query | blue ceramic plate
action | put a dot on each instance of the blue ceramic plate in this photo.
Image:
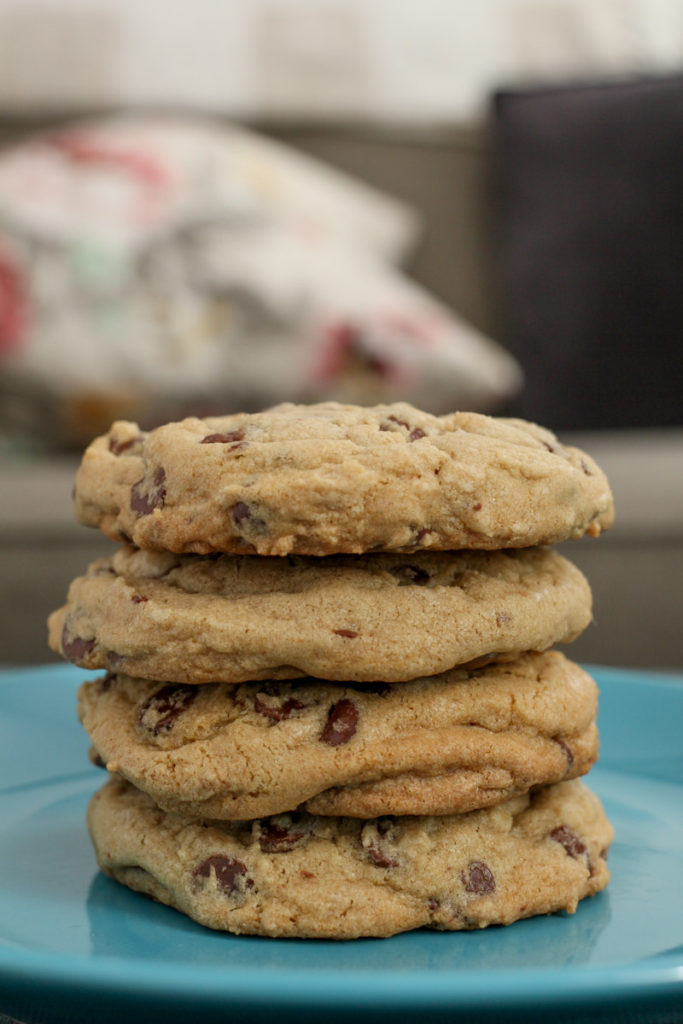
(74, 946)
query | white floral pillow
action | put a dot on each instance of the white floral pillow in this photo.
(155, 267)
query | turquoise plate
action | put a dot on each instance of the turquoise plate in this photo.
(76, 947)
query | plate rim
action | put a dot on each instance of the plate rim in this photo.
(650, 980)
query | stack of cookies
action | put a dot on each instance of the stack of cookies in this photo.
(331, 705)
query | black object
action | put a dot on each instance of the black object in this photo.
(591, 250)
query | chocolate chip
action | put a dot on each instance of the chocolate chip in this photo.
(229, 438)
(480, 878)
(341, 723)
(144, 498)
(410, 574)
(74, 647)
(566, 750)
(421, 534)
(387, 423)
(139, 599)
(240, 512)
(230, 874)
(391, 422)
(281, 835)
(118, 447)
(351, 634)
(380, 858)
(376, 838)
(433, 903)
(567, 837)
(273, 707)
(476, 507)
(160, 711)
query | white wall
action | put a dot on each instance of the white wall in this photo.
(400, 60)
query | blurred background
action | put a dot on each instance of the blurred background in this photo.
(223, 205)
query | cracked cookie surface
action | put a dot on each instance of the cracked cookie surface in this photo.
(440, 745)
(331, 478)
(300, 875)
(388, 617)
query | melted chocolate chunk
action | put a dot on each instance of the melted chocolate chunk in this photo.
(230, 874)
(74, 647)
(229, 438)
(144, 498)
(341, 723)
(118, 447)
(351, 634)
(480, 879)
(408, 575)
(242, 514)
(387, 423)
(573, 844)
(380, 858)
(139, 599)
(273, 707)
(416, 434)
(282, 835)
(376, 838)
(160, 711)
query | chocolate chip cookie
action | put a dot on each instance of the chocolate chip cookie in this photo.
(299, 875)
(440, 745)
(391, 617)
(330, 478)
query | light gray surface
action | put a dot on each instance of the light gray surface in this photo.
(635, 570)
(645, 471)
